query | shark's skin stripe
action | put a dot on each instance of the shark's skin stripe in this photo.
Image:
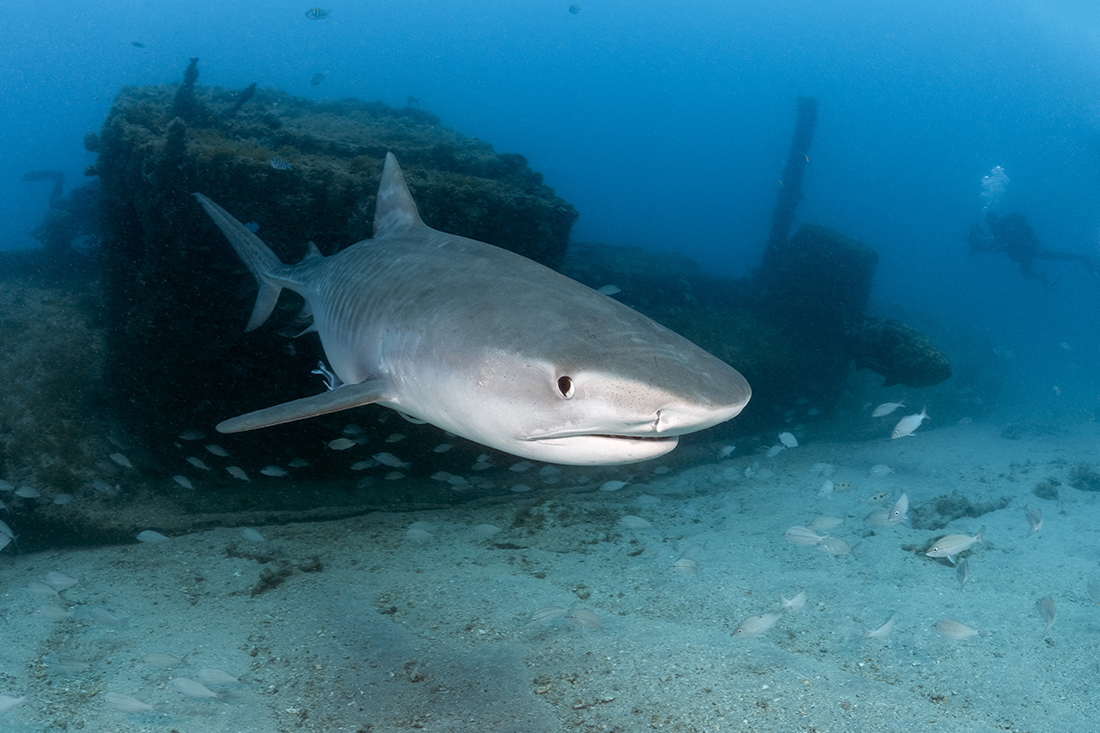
(486, 344)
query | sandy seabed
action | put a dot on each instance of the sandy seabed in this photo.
(364, 625)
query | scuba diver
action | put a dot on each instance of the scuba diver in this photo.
(1011, 235)
(68, 217)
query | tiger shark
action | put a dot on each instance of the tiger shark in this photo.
(485, 343)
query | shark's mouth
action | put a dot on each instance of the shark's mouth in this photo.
(605, 436)
(657, 439)
(592, 449)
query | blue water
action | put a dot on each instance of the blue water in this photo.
(665, 124)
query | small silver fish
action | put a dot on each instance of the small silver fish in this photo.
(60, 581)
(192, 434)
(775, 450)
(837, 546)
(686, 565)
(9, 703)
(802, 536)
(584, 618)
(105, 488)
(183, 481)
(191, 688)
(442, 448)
(395, 437)
(788, 440)
(880, 470)
(121, 460)
(41, 589)
(341, 444)
(1093, 587)
(878, 518)
(273, 471)
(962, 572)
(297, 463)
(99, 615)
(1046, 608)
(28, 492)
(909, 423)
(1035, 519)
(50, 612)
(237, 472)
(418, 535)
(757, 625)
(127, 704)
(280, 163)
(630, 521)
(882, 631)
(610, 290)
(151, 537)
(795, 604)
(162, 661)
(726, 451)
(67, 665)
(953, 544)
(547, 615)
(389, 459)
(486, 530)
(217, 450)
(612, 485)
(209, 676)
(899, 513)
(886, 408)
(198, 463)
(826, 490)
(953, 630)
(824, 523)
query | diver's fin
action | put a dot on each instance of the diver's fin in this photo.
(341, 398)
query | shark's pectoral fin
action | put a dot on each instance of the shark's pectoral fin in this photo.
(341, 398)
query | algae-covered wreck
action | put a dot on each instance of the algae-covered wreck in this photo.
(173, 303)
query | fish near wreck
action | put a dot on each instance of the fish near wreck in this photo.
(486, 344)
(908, 424)
(900, 353)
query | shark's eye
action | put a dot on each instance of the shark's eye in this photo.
(565, 386)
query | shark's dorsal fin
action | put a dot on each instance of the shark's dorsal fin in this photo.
(395, 209)
(313, 255)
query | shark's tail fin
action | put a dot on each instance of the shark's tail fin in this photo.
(270, 273)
